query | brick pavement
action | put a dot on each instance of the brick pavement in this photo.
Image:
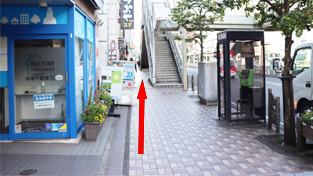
(56, 159)
(183, 137)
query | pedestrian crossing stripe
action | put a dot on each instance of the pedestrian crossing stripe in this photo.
(62, 127)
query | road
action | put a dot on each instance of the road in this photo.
(271, 82)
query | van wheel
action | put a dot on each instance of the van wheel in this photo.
(304, 107)
(233, 77)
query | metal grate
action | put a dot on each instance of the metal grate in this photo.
(127, 140)
(28, 172)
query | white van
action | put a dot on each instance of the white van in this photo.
(302, 69)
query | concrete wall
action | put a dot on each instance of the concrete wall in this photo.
(114, 26)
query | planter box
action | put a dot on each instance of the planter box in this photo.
(100, 127)
(304, 130)
(91, 130)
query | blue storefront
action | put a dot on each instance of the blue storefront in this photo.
(47, 67)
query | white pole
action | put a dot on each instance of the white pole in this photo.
(184, 60)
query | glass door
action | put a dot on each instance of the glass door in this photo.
(4, 110)
(40, 68)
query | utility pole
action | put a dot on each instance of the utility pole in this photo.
(184, 59)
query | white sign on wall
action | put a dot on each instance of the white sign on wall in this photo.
(43, 101)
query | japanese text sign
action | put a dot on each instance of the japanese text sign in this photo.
(127, 17)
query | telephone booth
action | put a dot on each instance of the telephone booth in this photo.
(241, 75)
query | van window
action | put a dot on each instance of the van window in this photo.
(302, 61)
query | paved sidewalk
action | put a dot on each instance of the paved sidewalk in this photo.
(56, 159)
(183, 137)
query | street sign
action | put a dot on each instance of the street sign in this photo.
(112, 45)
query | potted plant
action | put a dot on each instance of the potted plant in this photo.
(106, 98)
(93, 117)
(304, 130)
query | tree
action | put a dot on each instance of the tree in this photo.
(197, 15)
(288, 16)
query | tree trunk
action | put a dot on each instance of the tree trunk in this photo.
(288, 105)
(201, 47)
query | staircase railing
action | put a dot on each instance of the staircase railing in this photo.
(149, 25)
(177, 55)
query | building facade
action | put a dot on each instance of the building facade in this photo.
(47, 67)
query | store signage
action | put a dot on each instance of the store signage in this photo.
(79, 25)
(62, 127)
(18, 128)
(55, 127)
(129, 66)
(127, 17)
(48, 126)
(58, 77)
(33, 15)
(112, 75)
(43, 101)
(128, 75)
(116, 77)
(247, 51)
(128, 85)
(90, 31)
(112, 45)
(120, 43)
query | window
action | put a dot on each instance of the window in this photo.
(79, 55)
(302, 61)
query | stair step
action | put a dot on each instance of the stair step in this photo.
(164, 70)
(163, 61)
(166, 74)
(169, 85)
(167, 82)
(167, 79)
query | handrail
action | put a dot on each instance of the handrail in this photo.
(177, 55)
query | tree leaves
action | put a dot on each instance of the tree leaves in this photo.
(197, 15)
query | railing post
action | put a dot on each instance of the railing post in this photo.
(270, 106)
(187, 81)
(277, 114)
(193, 81)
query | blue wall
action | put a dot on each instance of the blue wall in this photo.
(65, 28)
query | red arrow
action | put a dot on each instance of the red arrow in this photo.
(141, 96)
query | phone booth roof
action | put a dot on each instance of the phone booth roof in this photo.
(235, 34)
